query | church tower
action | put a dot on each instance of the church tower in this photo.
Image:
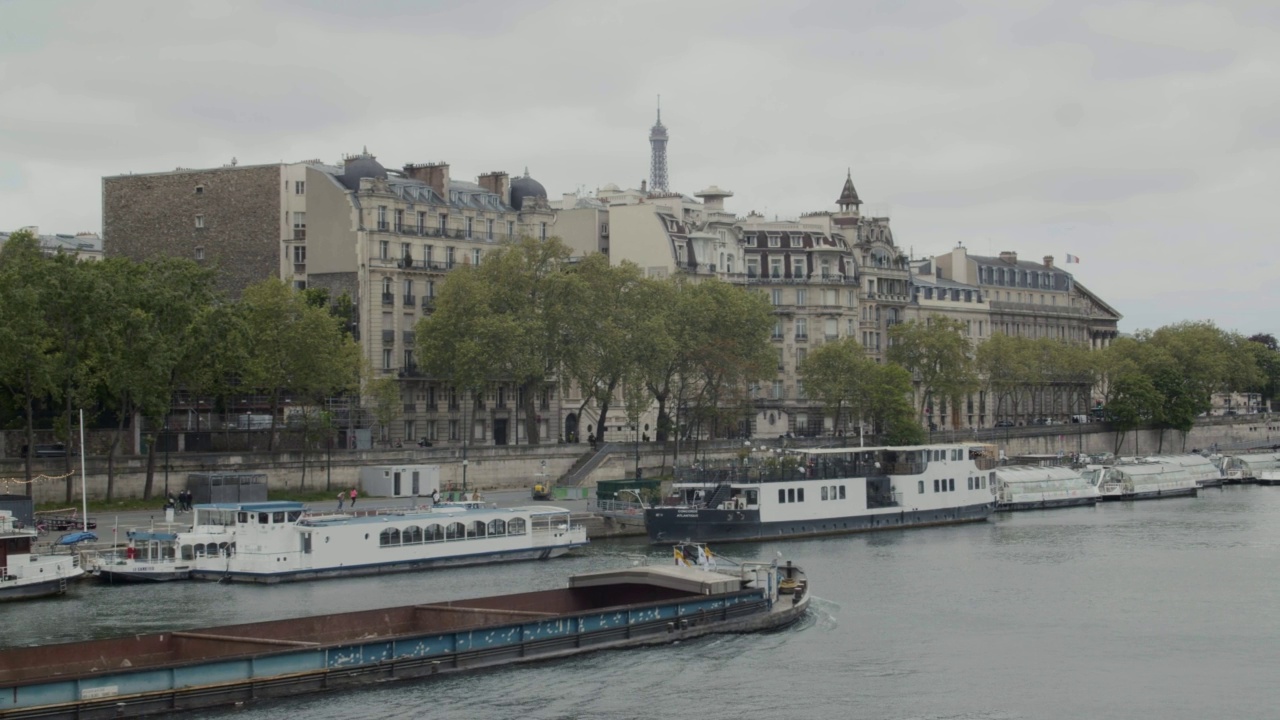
(658, 157)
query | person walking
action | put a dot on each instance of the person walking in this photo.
(342, 497)
(354, 494)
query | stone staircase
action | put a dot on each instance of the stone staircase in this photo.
(583, 467)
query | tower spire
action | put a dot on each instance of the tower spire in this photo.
(658, 154)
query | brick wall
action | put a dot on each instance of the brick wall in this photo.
(154, 215)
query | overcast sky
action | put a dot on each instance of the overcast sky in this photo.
(1139, 136)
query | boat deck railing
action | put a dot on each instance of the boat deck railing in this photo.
(620, 509)
(818, 469)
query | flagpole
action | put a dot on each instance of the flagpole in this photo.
(84, 495)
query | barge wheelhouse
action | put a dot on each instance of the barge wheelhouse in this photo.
(830, 491)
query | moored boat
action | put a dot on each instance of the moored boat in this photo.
(1142, 480)
(1203, 470)
(151, 556)
(278, 541)
(28, 574)
(1269, 477)
(830, 491)
(160, 674)
(1030, 487)
(1248, 467)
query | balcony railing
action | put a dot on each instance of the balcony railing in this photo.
(388, 299)
(383, 225)
(299, 234)
(1034, 309)
(409, 337)
(388, 337)
(299, 268)
(802, 337)
(410, 300)
(428, 302)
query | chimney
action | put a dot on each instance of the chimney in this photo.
(498, 183)
(434, 174)
(1009, 257)
(1048, 261)
(644, 186)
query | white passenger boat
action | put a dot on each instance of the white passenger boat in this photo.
(26, 574)
(1202, 469)
(279, 541)
(1030, 487)
(830, 491)
(1142, 480)
(1248, 467)
(1269, 477)
(151, 556)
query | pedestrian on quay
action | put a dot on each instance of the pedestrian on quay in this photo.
(353, 498)
(342, 497)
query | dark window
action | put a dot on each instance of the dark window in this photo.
(800, 495)
(791, 494)
(920, 486)
(277, 517)
(935, 486)
(782, 495)
(953, 484)
(842, 491)
(824, 492)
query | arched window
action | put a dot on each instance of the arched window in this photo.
(211, 549)
(497, 527)
(477, 529)
(411, 535)
(433, 533)
(188, 553)
(390, 536)
(516, 526)
(455, 531)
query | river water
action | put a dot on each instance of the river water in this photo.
(1158, 609)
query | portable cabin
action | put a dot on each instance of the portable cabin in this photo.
(400, 480)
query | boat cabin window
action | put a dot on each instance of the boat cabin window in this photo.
(791, 494)
(753, 498)
(935, 485)
(242, 518)
(515, 526)
(824, 492)
(920, 487)
(782, 495)
(277, 517)
(264, 518)
(433, 533)
(294, 515)
(497, 527)
(953, 485)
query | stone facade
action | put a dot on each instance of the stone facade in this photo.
(226, 218)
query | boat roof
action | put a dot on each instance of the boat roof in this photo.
(878, 448)
(430, 514)
(674, 577)
(264, 506)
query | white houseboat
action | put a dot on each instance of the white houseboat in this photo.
(1032, 487)
(1248, 467)
(278, 541)
(151, 556)
(830, 491)
(1142, 480)
(26, 574)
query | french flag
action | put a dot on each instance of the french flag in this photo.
(1073, 258)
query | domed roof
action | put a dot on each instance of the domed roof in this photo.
(361, 166)
(611, 188)
(526, 187)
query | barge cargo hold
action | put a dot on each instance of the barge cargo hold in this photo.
(160, 674)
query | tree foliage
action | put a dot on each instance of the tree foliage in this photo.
(938, 355)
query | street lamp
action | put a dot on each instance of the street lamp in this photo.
(637, 427)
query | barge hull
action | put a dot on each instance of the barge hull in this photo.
(160, 674)
(1157, 495)
(55, 586)
(1046, 504)
(383, 568)
(670, 526)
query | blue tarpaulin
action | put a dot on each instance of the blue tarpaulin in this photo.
(76, 537)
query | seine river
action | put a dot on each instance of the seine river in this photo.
(1158, 609)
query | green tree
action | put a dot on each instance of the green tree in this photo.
(937, 353)
(28, 349)
(384, 395)
(294, 346)
(504, 318)
(839, 375)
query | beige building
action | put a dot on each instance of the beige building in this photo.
(83, 245)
